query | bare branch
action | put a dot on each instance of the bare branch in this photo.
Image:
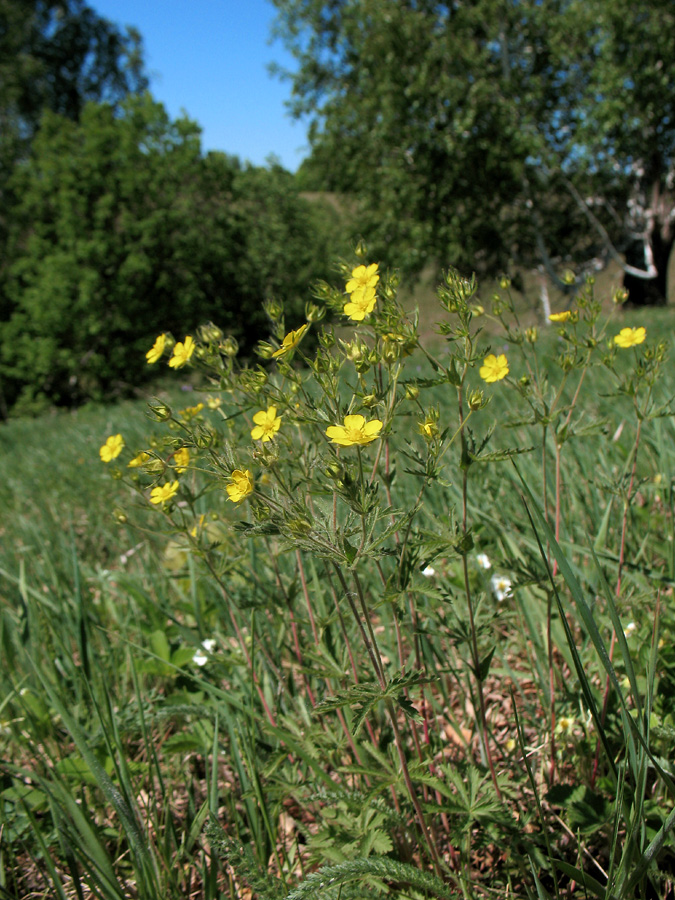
(651, 270)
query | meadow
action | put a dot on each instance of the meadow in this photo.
(427, 652)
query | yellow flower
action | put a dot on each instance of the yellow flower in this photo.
(360, 304)
(354, 431)
(267, 424)
(139, 460)
(363, 279)
(155, 352)
(164, 493)
(291, 341)
(561, 316)
(182, 353)
(191, 411)
(181, 460)
(629, 337)
(112, 448)
(494, 368)
(428, 428)
(240, 486)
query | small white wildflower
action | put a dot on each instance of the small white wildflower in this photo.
(429, 572)
(501, 587)
(483, 561)
(565, 725)
(630, 629)
(201, 658)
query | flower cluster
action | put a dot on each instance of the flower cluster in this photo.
(361, 289)
(182, 351)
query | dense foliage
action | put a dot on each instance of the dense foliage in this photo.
(485, 133)
(121, 228)
(113, 223)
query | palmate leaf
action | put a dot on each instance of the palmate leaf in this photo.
(361, 698)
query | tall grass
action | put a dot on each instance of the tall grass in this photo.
(198, 715)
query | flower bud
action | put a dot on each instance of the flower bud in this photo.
(477, 310)
(161, 411)
(531, 335)
(390, 351)
(264, 350)
(428, 428)
(119, 516)
(326, 339)
(314, 313)
(354, 350)
(412, 391)
(273, 308)
(210, 333)
(230, 346)
(568, 277)
(361, 250)
(620, 296)
(505, 282)
(369, 401)
(476, 400)
(333, 470)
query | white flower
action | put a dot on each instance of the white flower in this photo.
(501, 587)
(428, 572)
(201, 658)
(483, 561)
(631, 628)
(565, 725)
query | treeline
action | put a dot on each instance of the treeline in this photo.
(115, 226)
(495, 134)
(492, 135)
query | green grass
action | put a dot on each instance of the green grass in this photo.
(130, 771)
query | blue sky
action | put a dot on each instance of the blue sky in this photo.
(209, 58)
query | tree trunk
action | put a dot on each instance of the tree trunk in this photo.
(649, 291)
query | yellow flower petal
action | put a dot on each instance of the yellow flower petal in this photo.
(630, 337)
(240, 486)
(163, 493)
(112, 448)
(182, 353)
(494, 368)
(355, 431)
(291, 341)
(157, 349)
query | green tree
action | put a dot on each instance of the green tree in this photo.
(122, 230)
(109, 241)
(56, 55)
(59, 55)
(469, 131)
